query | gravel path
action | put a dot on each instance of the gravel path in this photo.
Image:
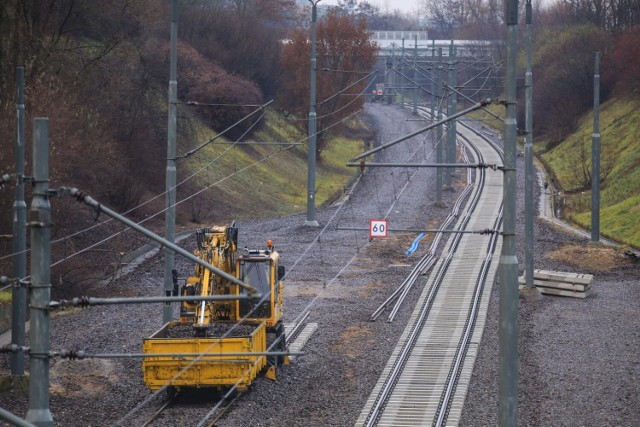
(579, 359)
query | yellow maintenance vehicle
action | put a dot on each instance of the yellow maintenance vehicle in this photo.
(221, 343)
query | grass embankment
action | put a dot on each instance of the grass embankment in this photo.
(250, 181)
(5, 296)
(620, 192)
(489, 119)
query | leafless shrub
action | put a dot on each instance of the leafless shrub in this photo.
(582, 170)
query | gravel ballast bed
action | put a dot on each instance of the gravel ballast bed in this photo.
(579, 359)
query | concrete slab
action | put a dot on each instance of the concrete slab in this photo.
(559, 292)
(576, 287)
(560, 276)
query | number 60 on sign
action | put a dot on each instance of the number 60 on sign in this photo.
(378, 228)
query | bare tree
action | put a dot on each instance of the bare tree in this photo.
(609, 14)
(582, 170)
(564, 67)
(446, 14)
(243, 36)
(466, 19)
(621, 66)
(344, 47)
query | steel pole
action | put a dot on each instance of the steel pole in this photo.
(14, 419)
(451, 135)
(440, 149)
(595, 156)
(434, 93)
(508, 387)
(393, 76)
(19, 241)
(423, 165)
(432, 87)
(388, 82)
(170, 214)
(40, 224)
(454, 105)
(402, 80)
(415, 75)
(528, 157)
(91, 301)
(311, 154)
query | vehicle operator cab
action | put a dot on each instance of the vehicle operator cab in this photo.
(260, 269)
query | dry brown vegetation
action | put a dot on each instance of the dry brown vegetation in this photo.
(99, 72)
(590, 258)
(345, 54)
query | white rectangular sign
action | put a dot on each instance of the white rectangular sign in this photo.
(378, 228)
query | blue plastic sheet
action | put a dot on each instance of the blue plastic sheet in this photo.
(414, 245)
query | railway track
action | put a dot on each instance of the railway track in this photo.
(428, 260)
(158, 413)
(426, 378)
(206, 411)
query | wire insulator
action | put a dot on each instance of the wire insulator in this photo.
(82, 301)
(72, 354)
(4, 179)
(77, 194)
(9, 348)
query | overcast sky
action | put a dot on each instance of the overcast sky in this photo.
(403, 5)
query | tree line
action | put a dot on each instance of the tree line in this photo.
(99, 71)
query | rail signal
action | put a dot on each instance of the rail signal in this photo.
(378, 228)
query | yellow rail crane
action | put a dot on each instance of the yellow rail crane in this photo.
(221, 343)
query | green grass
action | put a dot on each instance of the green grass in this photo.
(620, 219)
(269, 180)
(333, 175)
(5, 296)
(489, 120)
(620, 201)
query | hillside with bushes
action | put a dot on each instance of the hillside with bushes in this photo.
(570, 163)
(99, 71)
(564, 67)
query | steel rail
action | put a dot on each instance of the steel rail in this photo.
(159, 412)
(454, 213)
(459, 230)
(222, 411)
(455, 371)
(429, 259)
(409, 343)
(293, 334)
(425, 263)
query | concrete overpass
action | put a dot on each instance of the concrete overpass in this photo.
(418, 42)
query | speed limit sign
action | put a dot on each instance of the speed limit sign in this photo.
(378, 228)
